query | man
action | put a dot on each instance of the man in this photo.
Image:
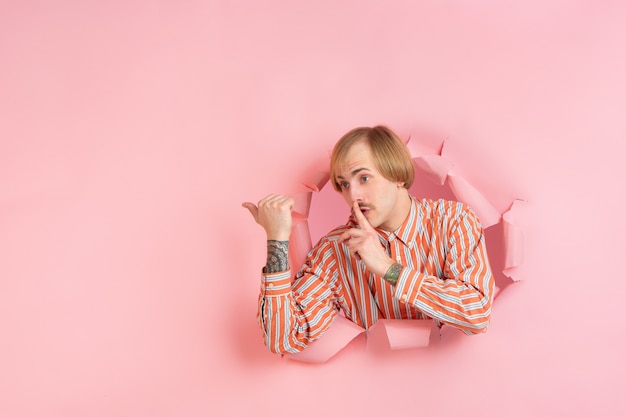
(397, 257)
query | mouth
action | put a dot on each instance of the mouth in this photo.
(365, 210)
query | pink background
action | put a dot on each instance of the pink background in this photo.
(131, 131)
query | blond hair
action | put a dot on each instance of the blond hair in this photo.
(391, 156)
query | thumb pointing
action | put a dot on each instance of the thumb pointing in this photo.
(252, 209)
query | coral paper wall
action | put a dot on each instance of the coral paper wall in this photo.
(131, 132)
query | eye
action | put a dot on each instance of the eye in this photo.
(365, 178)
(344, 185)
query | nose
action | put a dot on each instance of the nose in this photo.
(355, 193)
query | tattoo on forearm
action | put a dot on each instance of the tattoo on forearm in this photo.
(277, 256)
(393, 273)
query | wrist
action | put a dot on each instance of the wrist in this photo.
(279, 237)
(393, 273)
(277, 256)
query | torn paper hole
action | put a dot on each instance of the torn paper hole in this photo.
(399, 334)
(430, 160)
(317, 181)
(428, 144)
(435, 167)
(469, 195)
(299, 244)
(302, 203)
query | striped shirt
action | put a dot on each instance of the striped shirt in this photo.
(446, 277)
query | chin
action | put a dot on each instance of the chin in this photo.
(373, 222)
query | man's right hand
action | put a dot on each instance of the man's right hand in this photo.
(273, 213)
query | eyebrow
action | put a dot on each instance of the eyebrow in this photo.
(353, 173)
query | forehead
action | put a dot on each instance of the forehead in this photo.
(357, 157)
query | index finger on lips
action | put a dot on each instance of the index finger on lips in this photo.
(360, 217)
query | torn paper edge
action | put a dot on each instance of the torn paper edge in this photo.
(385, 334)
(438, 168)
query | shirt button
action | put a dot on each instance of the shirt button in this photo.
(398, 258)
(403, 298)
(270, 285)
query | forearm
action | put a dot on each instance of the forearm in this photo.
(463, 296)
(276, 313)
(460, 292)
(393, 273)
(277, 256)
(291, 315)
(287, 327)
(454, 302)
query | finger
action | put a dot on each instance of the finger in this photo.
(266, 200)
(352, 243)
(351, 237)
(277, 201)
(360, 217)
(284, 200)
(254, 210)
(345, 236)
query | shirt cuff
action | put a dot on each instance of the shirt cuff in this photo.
(408, 286)
(276, 284)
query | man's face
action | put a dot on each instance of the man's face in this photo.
(377, 196)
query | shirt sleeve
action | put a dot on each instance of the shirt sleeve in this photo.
(462, 297)
(293, 314)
